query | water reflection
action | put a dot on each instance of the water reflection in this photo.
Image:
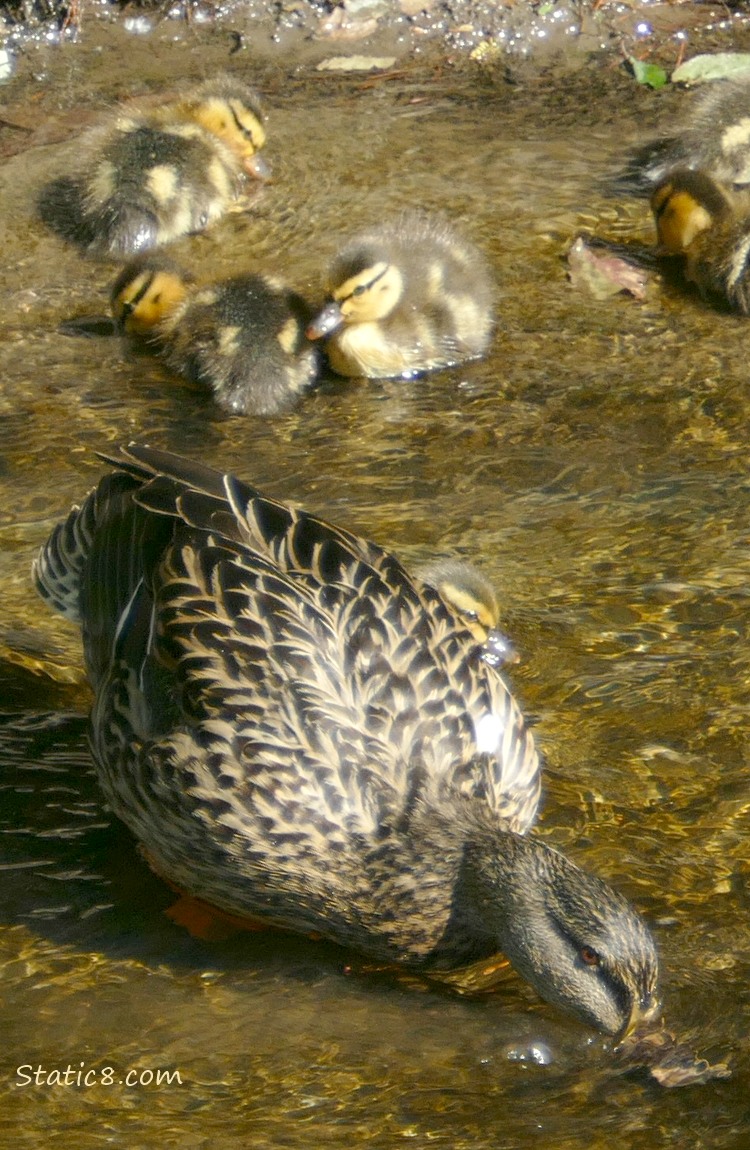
(595, 467)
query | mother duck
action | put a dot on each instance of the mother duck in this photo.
(296, 729)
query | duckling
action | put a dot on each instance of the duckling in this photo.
(158, 174)
(708, 225)
(293, 728)
(407, 297)
(714, 137)
(243, 337)
(472, 595)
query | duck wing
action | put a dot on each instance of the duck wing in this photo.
(297, 663)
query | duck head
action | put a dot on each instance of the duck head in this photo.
(569, 934)
(363, 288)
(146, 293)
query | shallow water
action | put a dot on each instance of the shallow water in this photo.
(594, 465)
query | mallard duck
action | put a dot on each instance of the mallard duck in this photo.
(157, 174)
(470, 593)
(294, 729)
(708, 225)
(714, 136)
(404, 298)
(243, 337)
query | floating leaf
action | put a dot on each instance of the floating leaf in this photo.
(716, 66)
(593, 266)
(652, 75)
(670, 1062)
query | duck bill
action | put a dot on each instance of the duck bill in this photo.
(498, 649)
(326, 321)
(258, 167)
(642, 1015)
(89, 326)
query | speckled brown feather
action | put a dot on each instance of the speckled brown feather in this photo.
(276, 697)
(296, 729)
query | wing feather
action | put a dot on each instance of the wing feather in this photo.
(298, 662)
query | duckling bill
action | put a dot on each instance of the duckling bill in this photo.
(407, 297)
(296, 729)
(243, 337)
(149, 177)
(472, 595)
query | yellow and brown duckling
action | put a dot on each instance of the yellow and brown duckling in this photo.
(243, 337)
(404, 298)
(157, 174)
(708, 225)
(297, 730)
(714, 137)
(471, 594)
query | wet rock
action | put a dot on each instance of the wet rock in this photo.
(368, 8)
(413, 8)
(340, 26)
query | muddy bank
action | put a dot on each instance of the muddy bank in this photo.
(493, 33)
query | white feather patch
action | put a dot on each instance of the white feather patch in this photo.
(488, 732)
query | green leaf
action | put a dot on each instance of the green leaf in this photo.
(650, 74)
(718, 66)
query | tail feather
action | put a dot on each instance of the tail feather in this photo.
(58, 568)
(116, 227)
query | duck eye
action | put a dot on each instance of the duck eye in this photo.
(589, 956)
(360, 289)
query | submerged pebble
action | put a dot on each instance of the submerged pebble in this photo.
(537, 1053)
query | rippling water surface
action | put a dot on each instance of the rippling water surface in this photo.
(595, 465)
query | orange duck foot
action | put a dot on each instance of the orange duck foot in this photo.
(207, 922)
(200, 918)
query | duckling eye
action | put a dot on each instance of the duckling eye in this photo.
(246, 132)
(360, 289)
(589, 956)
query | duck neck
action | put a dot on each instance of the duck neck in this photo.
(486, 891)
(455, 889)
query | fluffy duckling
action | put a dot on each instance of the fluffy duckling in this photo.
(708, 225)
(714, 137)
(471, 594)
(294, 729)
(405, 298)
(158, 174)
(243, 337)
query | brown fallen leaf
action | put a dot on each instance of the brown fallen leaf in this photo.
(671, 1062)
(592, 265)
